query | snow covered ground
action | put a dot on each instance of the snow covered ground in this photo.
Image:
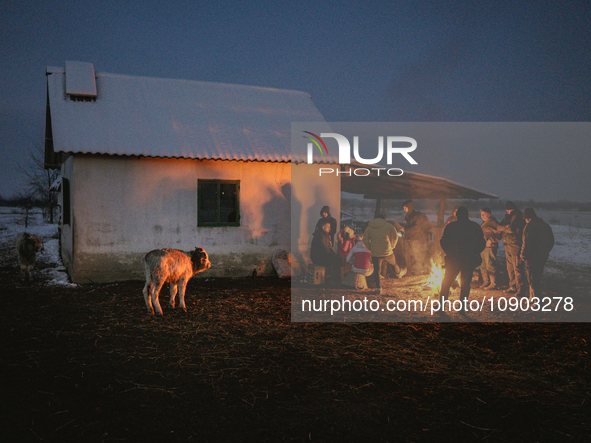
(572, 238)
(573, 244)
(12, 221)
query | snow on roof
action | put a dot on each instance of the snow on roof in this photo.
(154, 117)
(81, 79)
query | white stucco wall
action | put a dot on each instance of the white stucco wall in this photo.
(124, 207)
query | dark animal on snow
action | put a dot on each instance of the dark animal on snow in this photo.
(173, 267)
(27, 246)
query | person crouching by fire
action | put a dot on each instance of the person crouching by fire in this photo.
(462, 241)
(538, 241)
(322, 252)
(360, 258)
(346, 240)
(326, 217)
(489, 254)
(511, 227)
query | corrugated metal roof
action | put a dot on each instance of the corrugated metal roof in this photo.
(154, 117)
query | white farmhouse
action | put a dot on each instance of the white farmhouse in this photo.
(152, 163)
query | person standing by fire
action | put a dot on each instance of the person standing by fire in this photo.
(462, 241)
(489, 254)
(415, 227)
(538, 241)
(452, 217)
(511, 227)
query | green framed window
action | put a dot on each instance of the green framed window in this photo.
(218, 203)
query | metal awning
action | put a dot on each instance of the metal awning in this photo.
(410, 185)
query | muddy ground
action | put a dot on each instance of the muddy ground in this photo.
(87, 364)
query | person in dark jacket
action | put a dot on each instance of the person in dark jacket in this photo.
(322, 252)
(511, 227)
(489, 254)
(415, 227)
(462, 241)
(538, 241)
(452, 217)
(326, 217)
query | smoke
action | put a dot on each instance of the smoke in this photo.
(524, 61)
(415, 93)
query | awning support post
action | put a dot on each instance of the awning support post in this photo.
(441, 212)
(378, 207)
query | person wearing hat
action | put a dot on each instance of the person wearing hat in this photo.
(462, 241)
(511, 228)
(489, 254)
(326, 217)
(416, 249)
(538, 241)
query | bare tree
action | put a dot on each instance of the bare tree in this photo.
(39, 180)
(25, 202)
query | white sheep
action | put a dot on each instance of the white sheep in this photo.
(173, 267)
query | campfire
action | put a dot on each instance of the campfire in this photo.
(436, 277)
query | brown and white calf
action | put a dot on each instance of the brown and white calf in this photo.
(27, 246)
(173, 267)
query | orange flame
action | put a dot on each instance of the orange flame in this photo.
(436, 277)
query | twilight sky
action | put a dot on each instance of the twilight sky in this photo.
(380, 61)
